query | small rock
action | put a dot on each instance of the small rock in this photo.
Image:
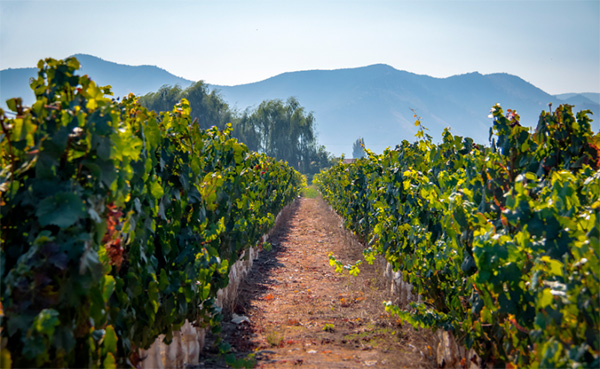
(239, 319)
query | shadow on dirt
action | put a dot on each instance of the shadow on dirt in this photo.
(293, 308)
(259, 281)
(254, 286)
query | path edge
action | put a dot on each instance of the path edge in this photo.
(449, 353)
(188, 342)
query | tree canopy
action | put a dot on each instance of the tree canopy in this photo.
(208, 107)
(282, 130)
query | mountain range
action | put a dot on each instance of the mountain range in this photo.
(376, 102)
(122, 78)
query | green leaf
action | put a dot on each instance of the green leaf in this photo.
(109, 362)
(205, 291)
(103, 146)
(238, 151)
(110, 340)
(461, 219)
(90, 261)
(46, 321)
(152, 134)
(109, 287)
(12, 103)
(108, 172)
(546, 298)
(267, 246)
(35, 348)
(468, 265)
(153, 295)
(156, 190)
(556, 267)
(163, 281)
(62, 209)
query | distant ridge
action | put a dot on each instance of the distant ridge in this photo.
(123, 78)
(586, 100)
(375, 102)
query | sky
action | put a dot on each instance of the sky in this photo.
(554, 45)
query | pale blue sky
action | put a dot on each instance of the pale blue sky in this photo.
(553, 44)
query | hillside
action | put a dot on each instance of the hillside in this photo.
(375, 102)
(123, 78)
(582, 97)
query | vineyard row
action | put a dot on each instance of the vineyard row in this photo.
(118, 224)
(501, 242)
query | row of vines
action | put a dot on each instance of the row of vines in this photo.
(117, 223)
(501, 242)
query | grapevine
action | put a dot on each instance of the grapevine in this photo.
(117, 223)
(501, 242)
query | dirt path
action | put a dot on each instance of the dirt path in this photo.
(302, 313)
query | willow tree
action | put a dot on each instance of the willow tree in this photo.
(283, 130)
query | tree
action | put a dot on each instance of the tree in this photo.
(247, 130)
(358, 150)
(162, 100)
(282, 130)
(285, 131)
(208, 108)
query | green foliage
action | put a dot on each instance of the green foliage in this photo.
(275, 338)
(281, 130)
(248, 362)
(284, 131)
(353, 269)
(501, 242)
(117, 223)
(328, 328)
(310, 192)
(208, 108)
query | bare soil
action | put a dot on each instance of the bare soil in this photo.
(302, 313)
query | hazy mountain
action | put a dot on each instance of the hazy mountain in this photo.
(374, 102)
(585, 97)
(583, 101)
(15, 83)
(123, 78)
(377, 102)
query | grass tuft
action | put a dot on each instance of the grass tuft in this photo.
(310, 192)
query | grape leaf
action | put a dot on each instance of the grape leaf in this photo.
(62, 209)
